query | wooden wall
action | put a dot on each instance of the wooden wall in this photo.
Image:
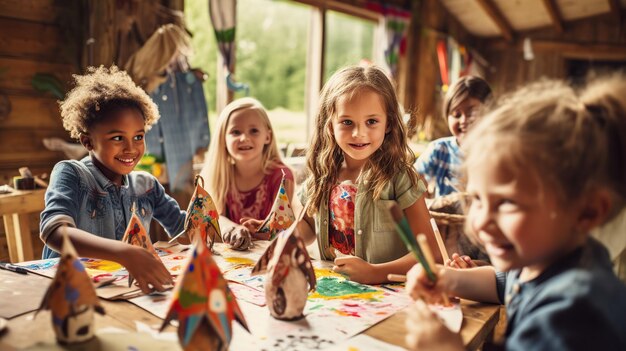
(31, 42)
(600, 38)
(430, 22)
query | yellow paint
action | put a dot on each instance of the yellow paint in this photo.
(352, 348)
(326, 272)
(240, 261)
(364, 296)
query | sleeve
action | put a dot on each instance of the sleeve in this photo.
(406, 193)
(61, 205)
(501, 285)
(426, 162)
(563, 323)
(166, 210)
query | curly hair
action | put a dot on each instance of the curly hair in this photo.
(99, 93)
(324, 157)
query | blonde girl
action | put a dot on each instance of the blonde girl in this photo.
(543, 169)
(243, 170)
(358, 164)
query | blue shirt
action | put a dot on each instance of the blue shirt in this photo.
(440, 163)
(576, 304)
(80, 196)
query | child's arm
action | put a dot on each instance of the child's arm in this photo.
(419, 220)
(145, 268)
(478, 284)
(360, 271)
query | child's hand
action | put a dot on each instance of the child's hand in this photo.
(458, 261)
(238, 237)
(426, 332)
(356, 269)
(418, 286)
(148, 271)
(251, 224)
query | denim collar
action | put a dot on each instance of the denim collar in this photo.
(104, 182)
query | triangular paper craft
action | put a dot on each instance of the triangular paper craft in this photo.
(281, 215)
(202, 217)
(137, 235)
(203, 304)
(71, 298)
(286, 244)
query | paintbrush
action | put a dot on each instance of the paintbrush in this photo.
(428, 255)
(406, 234)
(442, 246)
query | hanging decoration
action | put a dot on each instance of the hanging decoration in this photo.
(396, 21)
(223, 15)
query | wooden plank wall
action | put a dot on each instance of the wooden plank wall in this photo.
(430, 22)
(31, 42)
(596, 38)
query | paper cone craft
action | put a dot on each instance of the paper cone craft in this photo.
(71, 298)
(137, 235)
(202, 217)
(281, 215)
(203, 304)
(289, 275)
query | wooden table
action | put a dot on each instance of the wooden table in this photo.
(479, 321)
(15, 209)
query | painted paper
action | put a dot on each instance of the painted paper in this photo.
(281, 215)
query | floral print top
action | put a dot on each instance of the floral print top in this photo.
(341, 223)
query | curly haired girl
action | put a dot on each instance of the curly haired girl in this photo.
(93, 197)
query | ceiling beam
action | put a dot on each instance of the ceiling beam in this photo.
(494, 13)
(567, 49)
(616, 9)
(553, 11)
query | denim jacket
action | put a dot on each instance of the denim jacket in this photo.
(376, 240)
(79, 195)
(575, 304)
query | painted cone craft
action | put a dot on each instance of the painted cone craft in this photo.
(281, 215)
(137, 235)
(203, 304)
(71, 298)
(289, 275)
(202, 217)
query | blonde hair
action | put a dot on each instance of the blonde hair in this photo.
(218, 169)
(570, 142)
(98, 93)
(324, 157)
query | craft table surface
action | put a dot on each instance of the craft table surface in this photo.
(26, 330)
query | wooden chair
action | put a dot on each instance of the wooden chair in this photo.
(15, 209)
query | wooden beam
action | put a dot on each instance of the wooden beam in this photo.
(568, 49)
(494, 13)
(616, 9)
(553, 11)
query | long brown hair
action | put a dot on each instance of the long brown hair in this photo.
(324, 157)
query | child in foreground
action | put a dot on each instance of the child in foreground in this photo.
(243, 170)
(543, 169)
(92, 199)
(358, 164)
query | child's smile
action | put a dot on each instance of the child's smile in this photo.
(117, 143)
(360, 125)
(246, 135)
(520, 223)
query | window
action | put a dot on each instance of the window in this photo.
(274, 50)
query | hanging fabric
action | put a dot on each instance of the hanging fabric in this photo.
(396, 21)
(223, 15)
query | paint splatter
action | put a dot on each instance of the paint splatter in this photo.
(326, 272)
(332, 288)
(101, 265)
(242, 261)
